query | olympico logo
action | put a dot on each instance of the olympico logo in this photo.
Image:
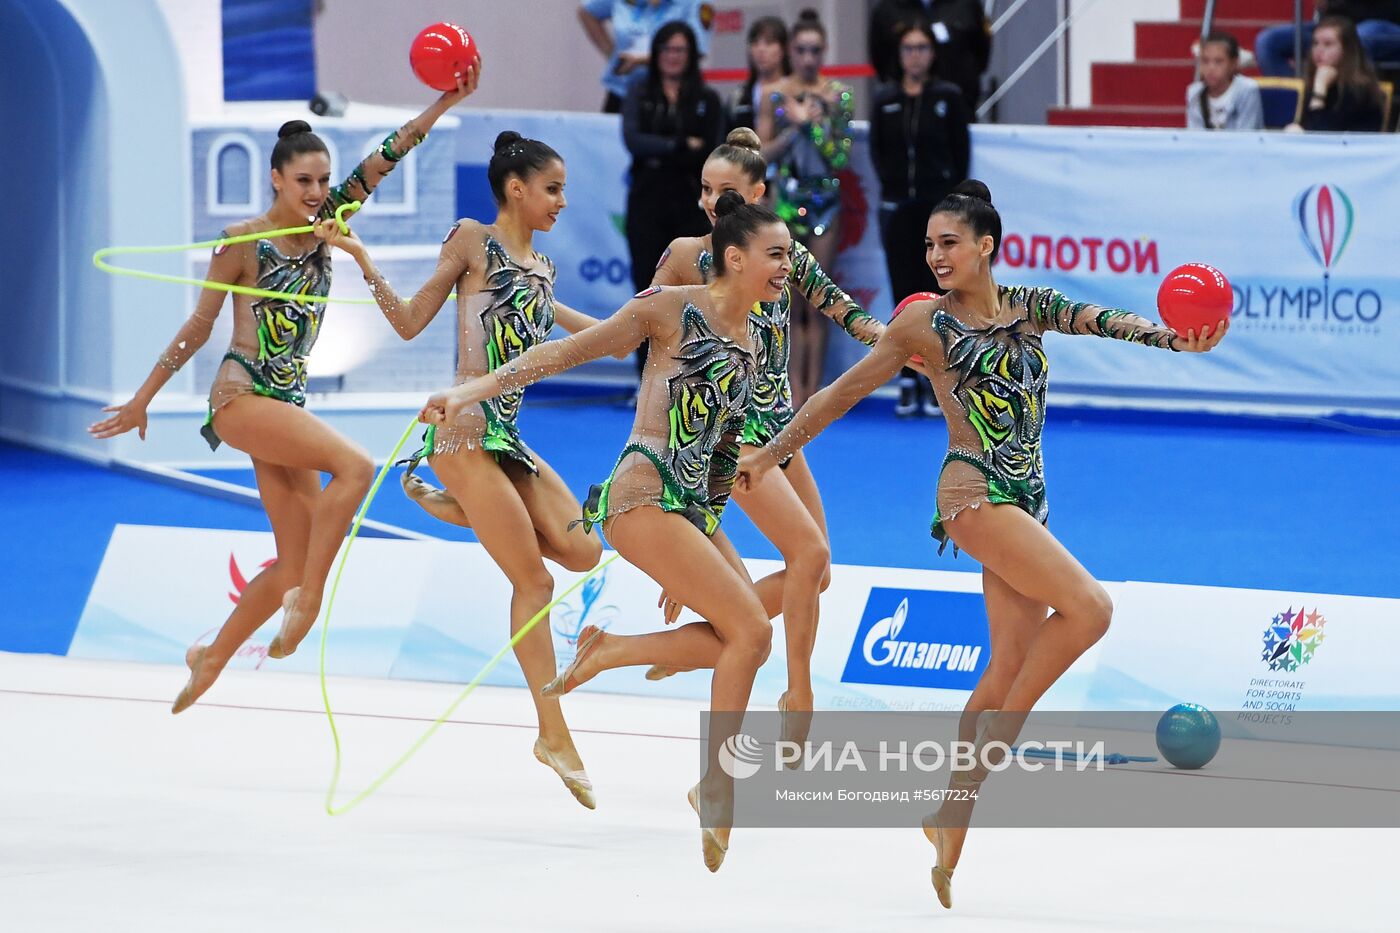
(1325, 217)
(883, 647)
(741, 756)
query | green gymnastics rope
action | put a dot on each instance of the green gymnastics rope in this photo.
(99, 260)
(403, 759)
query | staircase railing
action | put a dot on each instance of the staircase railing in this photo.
(1025, 66)
(1298, 38)
(1207, 25)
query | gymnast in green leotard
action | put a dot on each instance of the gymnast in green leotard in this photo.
(788, 510)
(518, 506)
(982, 348)
(661, 506)
(255, 403)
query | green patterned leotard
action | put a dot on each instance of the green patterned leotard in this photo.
(990, 378)
(511, 312)
(273, 337)
(807, 192)
(682, 455)
(771, 409)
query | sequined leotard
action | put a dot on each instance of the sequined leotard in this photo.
(511, 312)
(273, 337)
(990, 380)
(807, 191)
(682, 455)
(771, 409)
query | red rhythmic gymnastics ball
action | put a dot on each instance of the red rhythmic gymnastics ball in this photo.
(916, 359)
(1193, 297)
(440, 53)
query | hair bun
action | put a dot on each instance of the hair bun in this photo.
(293, 128)
(808, 15)
(506, 139)
(973, 188)
(742, 137)
(728, 203)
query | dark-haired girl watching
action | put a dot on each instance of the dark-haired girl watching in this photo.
(256, 402)
(1223, 99)
(768, 65)
(496, 485)
(1343, 95)
(661, 506)
(981, 346)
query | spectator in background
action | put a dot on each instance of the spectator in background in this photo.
(805, 127)
(920, 145)
(1377, 26)
(670, 122)
(1343, 94)
(1223, 99)
(961, 33)
(768, 64)
(623, 29)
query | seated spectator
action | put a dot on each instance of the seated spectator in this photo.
(1223, 99)
(623, 29)
(1377, 25)
(962, 39)
(768, 65)
(1343, 94)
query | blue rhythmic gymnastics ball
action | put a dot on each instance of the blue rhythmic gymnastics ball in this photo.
(1188, 735)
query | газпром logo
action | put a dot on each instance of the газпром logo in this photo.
(920, 638)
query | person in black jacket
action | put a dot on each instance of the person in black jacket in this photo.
(670, 122)
(1377, 26)
(920, 145)
(961, 33)
(1343, 94)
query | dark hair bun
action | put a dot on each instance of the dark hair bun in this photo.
(974, 189)
(742, 137)
(808, 15)
(293, 128)
(514, 155)
(728, 203)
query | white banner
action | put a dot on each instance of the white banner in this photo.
(888, 638)
(160, 590)
(1302, 226)
(1261, 651)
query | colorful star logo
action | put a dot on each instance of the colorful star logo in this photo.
(1292, 639)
